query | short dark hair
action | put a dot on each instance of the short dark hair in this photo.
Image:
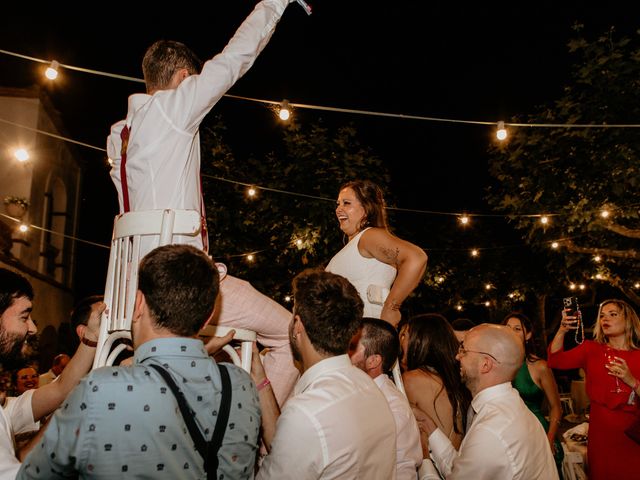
(180, 284)
(163, 59)
(12, 286)
(462, 324)
(380, 338)
(330, 309)
(82, 310)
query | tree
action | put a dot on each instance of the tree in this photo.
(286, 233)
(578, 174)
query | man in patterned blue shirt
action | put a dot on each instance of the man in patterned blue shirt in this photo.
(125, 421)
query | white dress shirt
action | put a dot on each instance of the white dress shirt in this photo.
(15, 417)
(337, 425)
(47, 378)
(504, 441)
(408, 447)
(163, 154)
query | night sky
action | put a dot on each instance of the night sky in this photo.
(438, 59)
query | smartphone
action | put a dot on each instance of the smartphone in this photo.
(571, 306)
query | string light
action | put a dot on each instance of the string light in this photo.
(487, 303)
(250, 257)
(21, 154)
(251, 192)
(350, 110)
(597, 258)
(52, 70)
(636, 285)
(582, 286)
(511, 295)
(285, 111)
(555, 245)
(475, 252)
(572, 286)
(439, 279)
(501, 132)
(544, 219)
(287, 298)
(459, 307)
(464, 219)
(299, 242)
(605, 213)
(23, 228)
(487, 286)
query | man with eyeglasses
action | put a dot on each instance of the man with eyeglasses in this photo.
(504, 440)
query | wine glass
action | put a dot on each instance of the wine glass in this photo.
(610, 357)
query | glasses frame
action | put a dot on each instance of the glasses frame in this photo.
(462, 350)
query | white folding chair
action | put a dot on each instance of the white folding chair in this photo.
(245, 337)
(129, 229)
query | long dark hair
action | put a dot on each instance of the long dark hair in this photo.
(370, 196)
(530, 348)
(433, 347)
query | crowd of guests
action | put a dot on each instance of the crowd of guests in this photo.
(466, 401)
(473, 407)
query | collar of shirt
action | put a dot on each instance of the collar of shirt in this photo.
(167, 347)
(328, 364)
(381, 380)
(488, 394)
(136, 101)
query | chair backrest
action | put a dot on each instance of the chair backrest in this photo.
(244, 336)
(131, 231)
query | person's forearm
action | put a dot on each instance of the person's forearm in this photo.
(410, 272)
(270, 414)
(27, 447)
(555, 417)
(558, 342)
(49, 397)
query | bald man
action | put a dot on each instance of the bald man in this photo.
(504, 440)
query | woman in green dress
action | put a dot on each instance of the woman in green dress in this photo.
(535, 382)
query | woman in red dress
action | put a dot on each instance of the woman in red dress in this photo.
(612, 376)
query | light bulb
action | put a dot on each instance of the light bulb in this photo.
(555, 244)
(475, 252)
(251, 192)
(604, 213)
(250, 257)
(501, 133)
(285, 111)
(544, 219)
(464, 219)
(52, 70)
(23, 228)
(21, 154)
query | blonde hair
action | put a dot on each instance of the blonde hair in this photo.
(632, 324)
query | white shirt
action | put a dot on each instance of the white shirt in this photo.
(16, 416)
(408, 447)
(337, 425)
(163, 154)
(47, 378)
(505, 441)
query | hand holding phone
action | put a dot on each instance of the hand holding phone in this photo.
(572, 318)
